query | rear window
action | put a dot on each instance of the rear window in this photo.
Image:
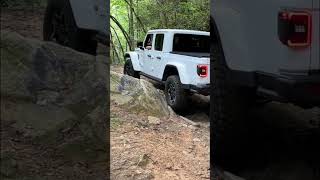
(159, 42)
(191, 43)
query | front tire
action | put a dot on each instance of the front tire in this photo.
(129, 70)
(175, 94)
(60, 26)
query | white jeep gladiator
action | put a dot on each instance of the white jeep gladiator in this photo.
(266, 50)
(179, 59)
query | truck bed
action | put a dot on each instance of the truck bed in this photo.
(193, 54)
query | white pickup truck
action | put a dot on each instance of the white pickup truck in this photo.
(179, 59)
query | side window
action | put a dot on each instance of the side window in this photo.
(148, 41)
(159, 42)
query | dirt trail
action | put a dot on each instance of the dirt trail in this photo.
(172, 149)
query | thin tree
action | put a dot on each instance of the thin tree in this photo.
(120, 44)
(115, 49)
(124, 32)
(136, 15)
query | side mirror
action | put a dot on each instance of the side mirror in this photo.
(140, 44)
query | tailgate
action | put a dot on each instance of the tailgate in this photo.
(315, 59)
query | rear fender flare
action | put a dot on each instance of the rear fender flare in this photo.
(182, 71)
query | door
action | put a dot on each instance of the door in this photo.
(148, 46)
(158, 56)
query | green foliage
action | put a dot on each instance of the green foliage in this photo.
(155, 14)
(178, 14)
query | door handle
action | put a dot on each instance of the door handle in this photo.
(149, 55)
(159, 57)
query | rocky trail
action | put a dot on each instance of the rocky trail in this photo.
(144, 145)
(284, 144)
(148, 140)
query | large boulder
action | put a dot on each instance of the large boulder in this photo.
(54, 101)
(137, 95)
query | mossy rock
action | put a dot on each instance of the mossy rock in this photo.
(138, 95)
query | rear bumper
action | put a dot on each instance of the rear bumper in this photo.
(200, 89)
(300, 90)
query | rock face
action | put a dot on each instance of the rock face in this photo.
(54, 100)
(138, 95)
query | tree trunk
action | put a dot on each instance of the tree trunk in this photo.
(162, 14)
(115, 51)
(120, 44)
(137, 16)
(124, 32)
(131, 23)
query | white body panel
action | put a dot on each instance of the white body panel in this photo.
(153, 63)
(248, 33)
(135, 56)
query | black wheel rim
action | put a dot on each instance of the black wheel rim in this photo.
(172, 93)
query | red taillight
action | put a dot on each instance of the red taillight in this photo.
(202, 70)
(294, 28)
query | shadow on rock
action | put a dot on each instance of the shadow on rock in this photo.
(283, 144)
(53, 110)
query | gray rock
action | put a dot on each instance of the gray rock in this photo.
(8, 165)
(138, 95)
(54, 98)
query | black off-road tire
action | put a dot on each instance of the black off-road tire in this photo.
(230, 105)
(60, 26)
(129, 70)
(176, 96)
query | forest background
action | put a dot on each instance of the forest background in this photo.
(131, 19)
